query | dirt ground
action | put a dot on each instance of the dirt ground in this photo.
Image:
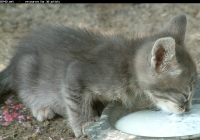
(17, 20)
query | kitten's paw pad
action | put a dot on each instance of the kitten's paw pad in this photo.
(84, 124)
(42, 114)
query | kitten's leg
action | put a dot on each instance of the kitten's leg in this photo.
(41, 109)
(34, 89)
(78, 100)
(78, 113)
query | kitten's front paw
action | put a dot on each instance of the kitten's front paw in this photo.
(84, 124)
(42, 114)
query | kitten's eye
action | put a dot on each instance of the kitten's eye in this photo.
(186, 96)
(191, 88)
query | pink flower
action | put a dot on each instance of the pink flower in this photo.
(6, 123)
(8, 101)
(28, 117)
(5, 111)
(16, 107)
(21, 117)
(9, 117)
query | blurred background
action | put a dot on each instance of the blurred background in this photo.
(17, 20)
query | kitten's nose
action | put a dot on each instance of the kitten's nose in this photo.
(187, 109)
(186, 106)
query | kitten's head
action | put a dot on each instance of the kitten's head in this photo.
(170, 76)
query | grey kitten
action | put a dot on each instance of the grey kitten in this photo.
(66, 71)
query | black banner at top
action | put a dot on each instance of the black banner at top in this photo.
(30, 1)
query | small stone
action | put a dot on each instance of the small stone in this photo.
(46, 123)
(21, 117)
(52, 129)
(28, 118)
(34, 135)
(27, 124)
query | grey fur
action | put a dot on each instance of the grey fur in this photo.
(62, 70)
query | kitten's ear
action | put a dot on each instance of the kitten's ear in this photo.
(162, 53)
(177, 27)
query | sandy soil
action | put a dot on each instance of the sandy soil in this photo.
(17, 20)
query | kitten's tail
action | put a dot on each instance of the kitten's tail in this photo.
(4, 80)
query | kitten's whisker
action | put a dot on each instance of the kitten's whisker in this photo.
(190, 94)
(182, 109)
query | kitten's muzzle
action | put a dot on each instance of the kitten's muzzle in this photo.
(185, 107)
